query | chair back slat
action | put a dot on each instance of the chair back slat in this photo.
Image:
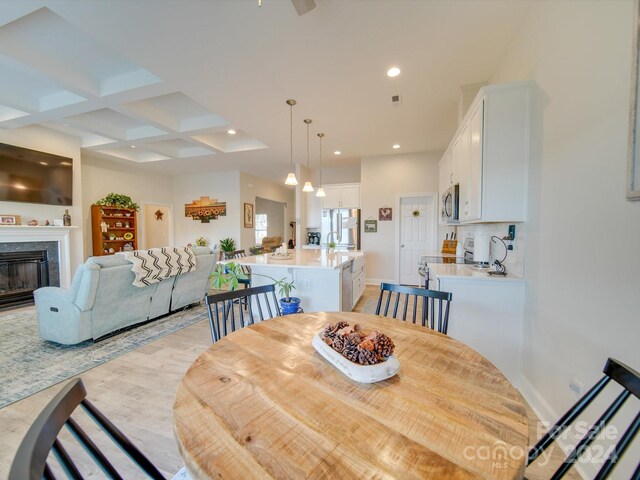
(415, 294)
(30, 462)
(629, 380)
(251, 299)
(92, 449)
(593, 432)
(65, 460)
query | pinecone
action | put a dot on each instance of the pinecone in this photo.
(339, 342)
(383, 346)
(330, 330)
(366, 357)
(350, 352)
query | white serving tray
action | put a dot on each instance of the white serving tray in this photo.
(359, 373)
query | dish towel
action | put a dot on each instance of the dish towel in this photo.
(156, 264)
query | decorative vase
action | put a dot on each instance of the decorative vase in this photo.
(290, 307)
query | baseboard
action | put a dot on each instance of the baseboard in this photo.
(546, 414)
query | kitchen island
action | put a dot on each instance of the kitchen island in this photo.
(324, 282)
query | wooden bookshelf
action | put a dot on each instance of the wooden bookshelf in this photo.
(119, 222)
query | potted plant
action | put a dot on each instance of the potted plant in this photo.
(118, 200)
(230, 273)
(201, 242)
(332, 247)
(227, 245)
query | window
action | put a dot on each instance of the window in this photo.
(261, 227)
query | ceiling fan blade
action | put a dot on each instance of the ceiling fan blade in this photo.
(303, 6)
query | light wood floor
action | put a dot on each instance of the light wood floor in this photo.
(137, 390)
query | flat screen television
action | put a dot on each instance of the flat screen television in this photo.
(34, 177)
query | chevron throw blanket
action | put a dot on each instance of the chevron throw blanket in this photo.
(151, 266)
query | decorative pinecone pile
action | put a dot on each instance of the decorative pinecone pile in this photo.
(358, 346)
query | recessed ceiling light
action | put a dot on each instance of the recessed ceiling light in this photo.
(337, 152)
(44, 163)
(66, 164)
(133, 146)
(393, 72)
(396, 146)
(231, 131)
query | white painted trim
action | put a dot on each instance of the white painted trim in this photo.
(434, 223)
(26, 233)
(141, 223)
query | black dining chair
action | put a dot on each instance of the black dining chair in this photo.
(399, 298)
(30, 462)
(261, 303)
(629, 379)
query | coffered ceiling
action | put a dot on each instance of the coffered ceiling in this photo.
(160, 83)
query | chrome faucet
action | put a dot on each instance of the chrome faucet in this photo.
(329, 235)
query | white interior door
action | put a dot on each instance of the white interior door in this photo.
(417, 235)
(158, 226)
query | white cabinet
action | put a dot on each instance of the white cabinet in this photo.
(490, 155)
(486, 315)
(314, 211)
(341, 196)
(358, 279)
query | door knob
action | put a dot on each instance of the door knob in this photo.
(402, 245)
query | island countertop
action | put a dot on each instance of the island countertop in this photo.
(312, 259)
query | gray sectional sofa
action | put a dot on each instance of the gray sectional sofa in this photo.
(102, 299)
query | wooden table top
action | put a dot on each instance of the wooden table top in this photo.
(262, 403)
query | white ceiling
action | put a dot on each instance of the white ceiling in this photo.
(170, 77)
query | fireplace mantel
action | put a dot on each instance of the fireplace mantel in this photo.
(26, 233)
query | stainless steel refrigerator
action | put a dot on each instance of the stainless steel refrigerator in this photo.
(344, 221)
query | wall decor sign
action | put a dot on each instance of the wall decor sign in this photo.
(633, 154)
(370, 226)
(9, 219)
(205, 209)
(384, 214)
(248, 215)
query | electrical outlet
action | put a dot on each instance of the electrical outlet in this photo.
(576, 386)
(512, 232)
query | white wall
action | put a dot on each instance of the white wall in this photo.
(101, 177)
(275, 216)
(345, 174)
(222, 186)
(50, 141)
(582, 255)
(382, 179)
(252, 187)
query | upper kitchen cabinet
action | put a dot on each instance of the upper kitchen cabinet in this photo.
(490, 155)
(341, 196)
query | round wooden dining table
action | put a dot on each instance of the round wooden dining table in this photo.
(262, 403)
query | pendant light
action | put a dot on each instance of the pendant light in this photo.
(291, 178)
(307, 185)
(320, 191)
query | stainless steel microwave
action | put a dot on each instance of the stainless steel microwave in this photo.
(451, 204)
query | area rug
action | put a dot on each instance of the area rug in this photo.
(29, 364)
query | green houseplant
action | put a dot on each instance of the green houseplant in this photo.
(230, 273)
(118, 200)
(227, 245)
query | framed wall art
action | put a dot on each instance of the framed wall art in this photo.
(248, 215)
(9, 219)
(633, 154)
(370, 226)
(384, 214)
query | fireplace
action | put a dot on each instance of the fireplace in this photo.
(20, 274)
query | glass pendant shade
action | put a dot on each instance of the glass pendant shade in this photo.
(320, 192)
(291, 179)
(307, 187)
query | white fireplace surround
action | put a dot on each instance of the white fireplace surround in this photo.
(26, 233)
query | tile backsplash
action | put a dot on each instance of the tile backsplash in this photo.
(515, 258)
